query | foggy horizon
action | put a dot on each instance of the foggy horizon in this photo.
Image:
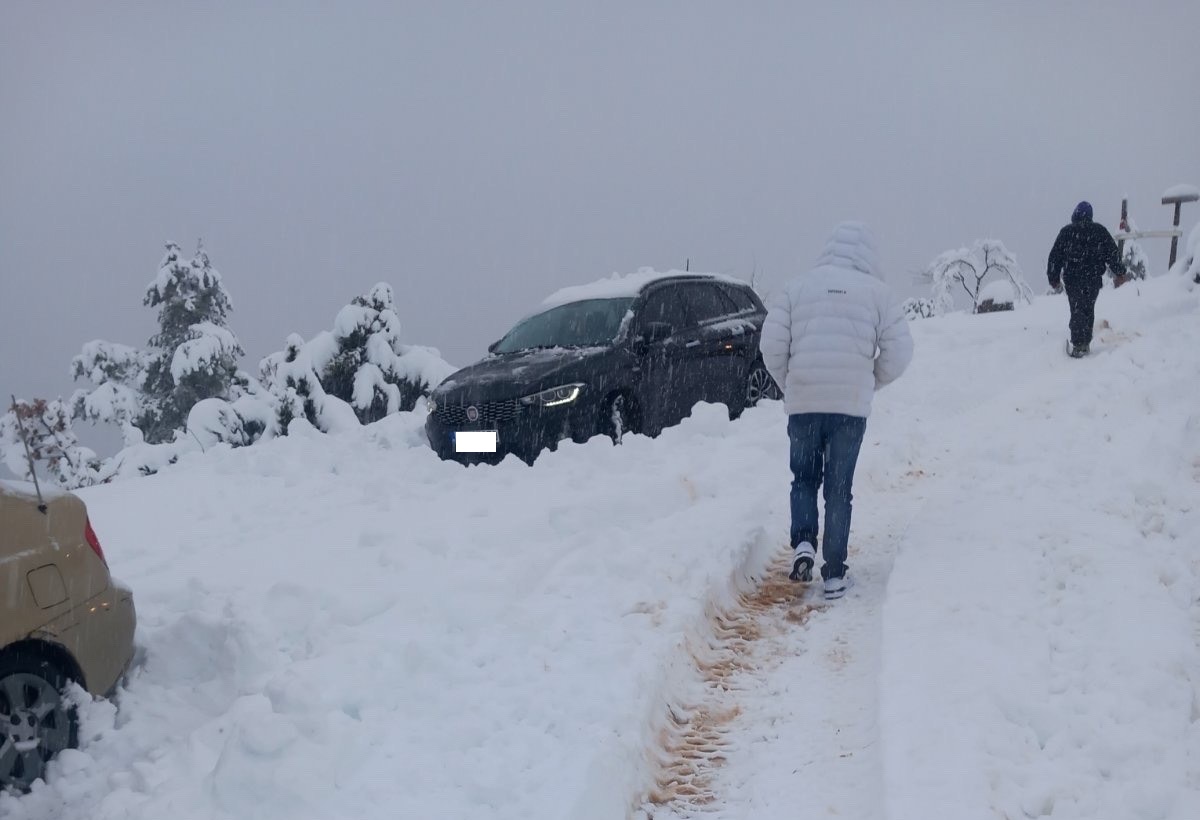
(478, 157)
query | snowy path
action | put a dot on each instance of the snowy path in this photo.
(788, 724)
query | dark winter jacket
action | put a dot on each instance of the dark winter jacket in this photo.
(1082, 251)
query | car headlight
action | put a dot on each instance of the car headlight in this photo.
(430, 404)
(555, 396)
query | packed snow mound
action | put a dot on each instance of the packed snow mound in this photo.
(345, 626)
(1181, 192)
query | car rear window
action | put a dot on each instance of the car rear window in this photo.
(707, 302)
(740, 298)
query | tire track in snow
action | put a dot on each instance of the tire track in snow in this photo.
(733, 660)
(783, 720)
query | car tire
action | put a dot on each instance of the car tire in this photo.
(760, 385)
(36, 720)
(618, 417)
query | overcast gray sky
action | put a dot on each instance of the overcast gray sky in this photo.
(479, 155)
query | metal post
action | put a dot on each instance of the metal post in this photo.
(1124, 227)
(1177, 201)
(1174, 239)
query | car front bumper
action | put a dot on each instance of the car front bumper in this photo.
(526, 435)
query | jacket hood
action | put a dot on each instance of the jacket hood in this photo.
(1082, 212)
(852, 247)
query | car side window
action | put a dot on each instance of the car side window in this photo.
(707, 302)
(665, 305)
(740, 298)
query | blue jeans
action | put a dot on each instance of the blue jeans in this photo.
(824, 450)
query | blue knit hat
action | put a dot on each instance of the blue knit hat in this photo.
(1082, 212)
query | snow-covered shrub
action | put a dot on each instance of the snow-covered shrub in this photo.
(46, 426)
(372, 369)
(1188, 263)
(918, 308)
(193, 357)
(361, 365)
(966, 269)
(291, 377)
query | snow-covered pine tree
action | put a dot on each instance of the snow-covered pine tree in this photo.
(52, 442)
(119, 372)
(194, 354)
(368, 371)
(290, 378)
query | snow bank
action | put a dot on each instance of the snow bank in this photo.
(345, 626)
(1040, 653)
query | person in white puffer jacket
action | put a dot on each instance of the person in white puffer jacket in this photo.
(832, 337)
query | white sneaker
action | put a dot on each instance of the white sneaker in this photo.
(836, 587)
(802, 564)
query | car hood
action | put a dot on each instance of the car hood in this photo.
(511, 375)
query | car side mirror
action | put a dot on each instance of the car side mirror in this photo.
(492, 347)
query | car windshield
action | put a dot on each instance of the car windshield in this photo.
(577, 324)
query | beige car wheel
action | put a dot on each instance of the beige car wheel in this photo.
(36, 721)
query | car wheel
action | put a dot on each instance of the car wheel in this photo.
(36, 721)
(617, 417)
(760, 385)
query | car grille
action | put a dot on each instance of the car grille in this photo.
(490, 412)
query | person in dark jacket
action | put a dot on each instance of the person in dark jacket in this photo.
(1080, 254)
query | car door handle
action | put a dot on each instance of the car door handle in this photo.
(693, 343)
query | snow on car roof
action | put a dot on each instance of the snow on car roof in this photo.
(623, 286)
(26, 489)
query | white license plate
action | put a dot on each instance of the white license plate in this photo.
(476, 441)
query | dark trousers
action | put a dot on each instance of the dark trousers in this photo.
(824, 450)
(1081, 296)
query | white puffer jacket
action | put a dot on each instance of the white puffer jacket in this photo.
(835, 335)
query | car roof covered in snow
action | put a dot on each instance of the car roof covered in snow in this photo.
(628, 285)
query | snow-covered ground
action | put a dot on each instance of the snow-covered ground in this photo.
(343, 626)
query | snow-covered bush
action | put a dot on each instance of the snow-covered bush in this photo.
(1188, 263)
(967, 269)
(193, 357)
(372, 369)
(291, 377)
(361, 366)
(46, 426)
(918, 308)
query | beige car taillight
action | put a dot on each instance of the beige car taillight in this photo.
(93, 541)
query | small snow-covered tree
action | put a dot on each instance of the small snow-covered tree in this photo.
(967, 270)
(291, 377)
(1134, 257)
(361, 365)
(46, 427)
(194, 356)
(371, 369)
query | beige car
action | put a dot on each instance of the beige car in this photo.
(62, 619)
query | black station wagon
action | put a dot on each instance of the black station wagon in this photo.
(628, 354)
